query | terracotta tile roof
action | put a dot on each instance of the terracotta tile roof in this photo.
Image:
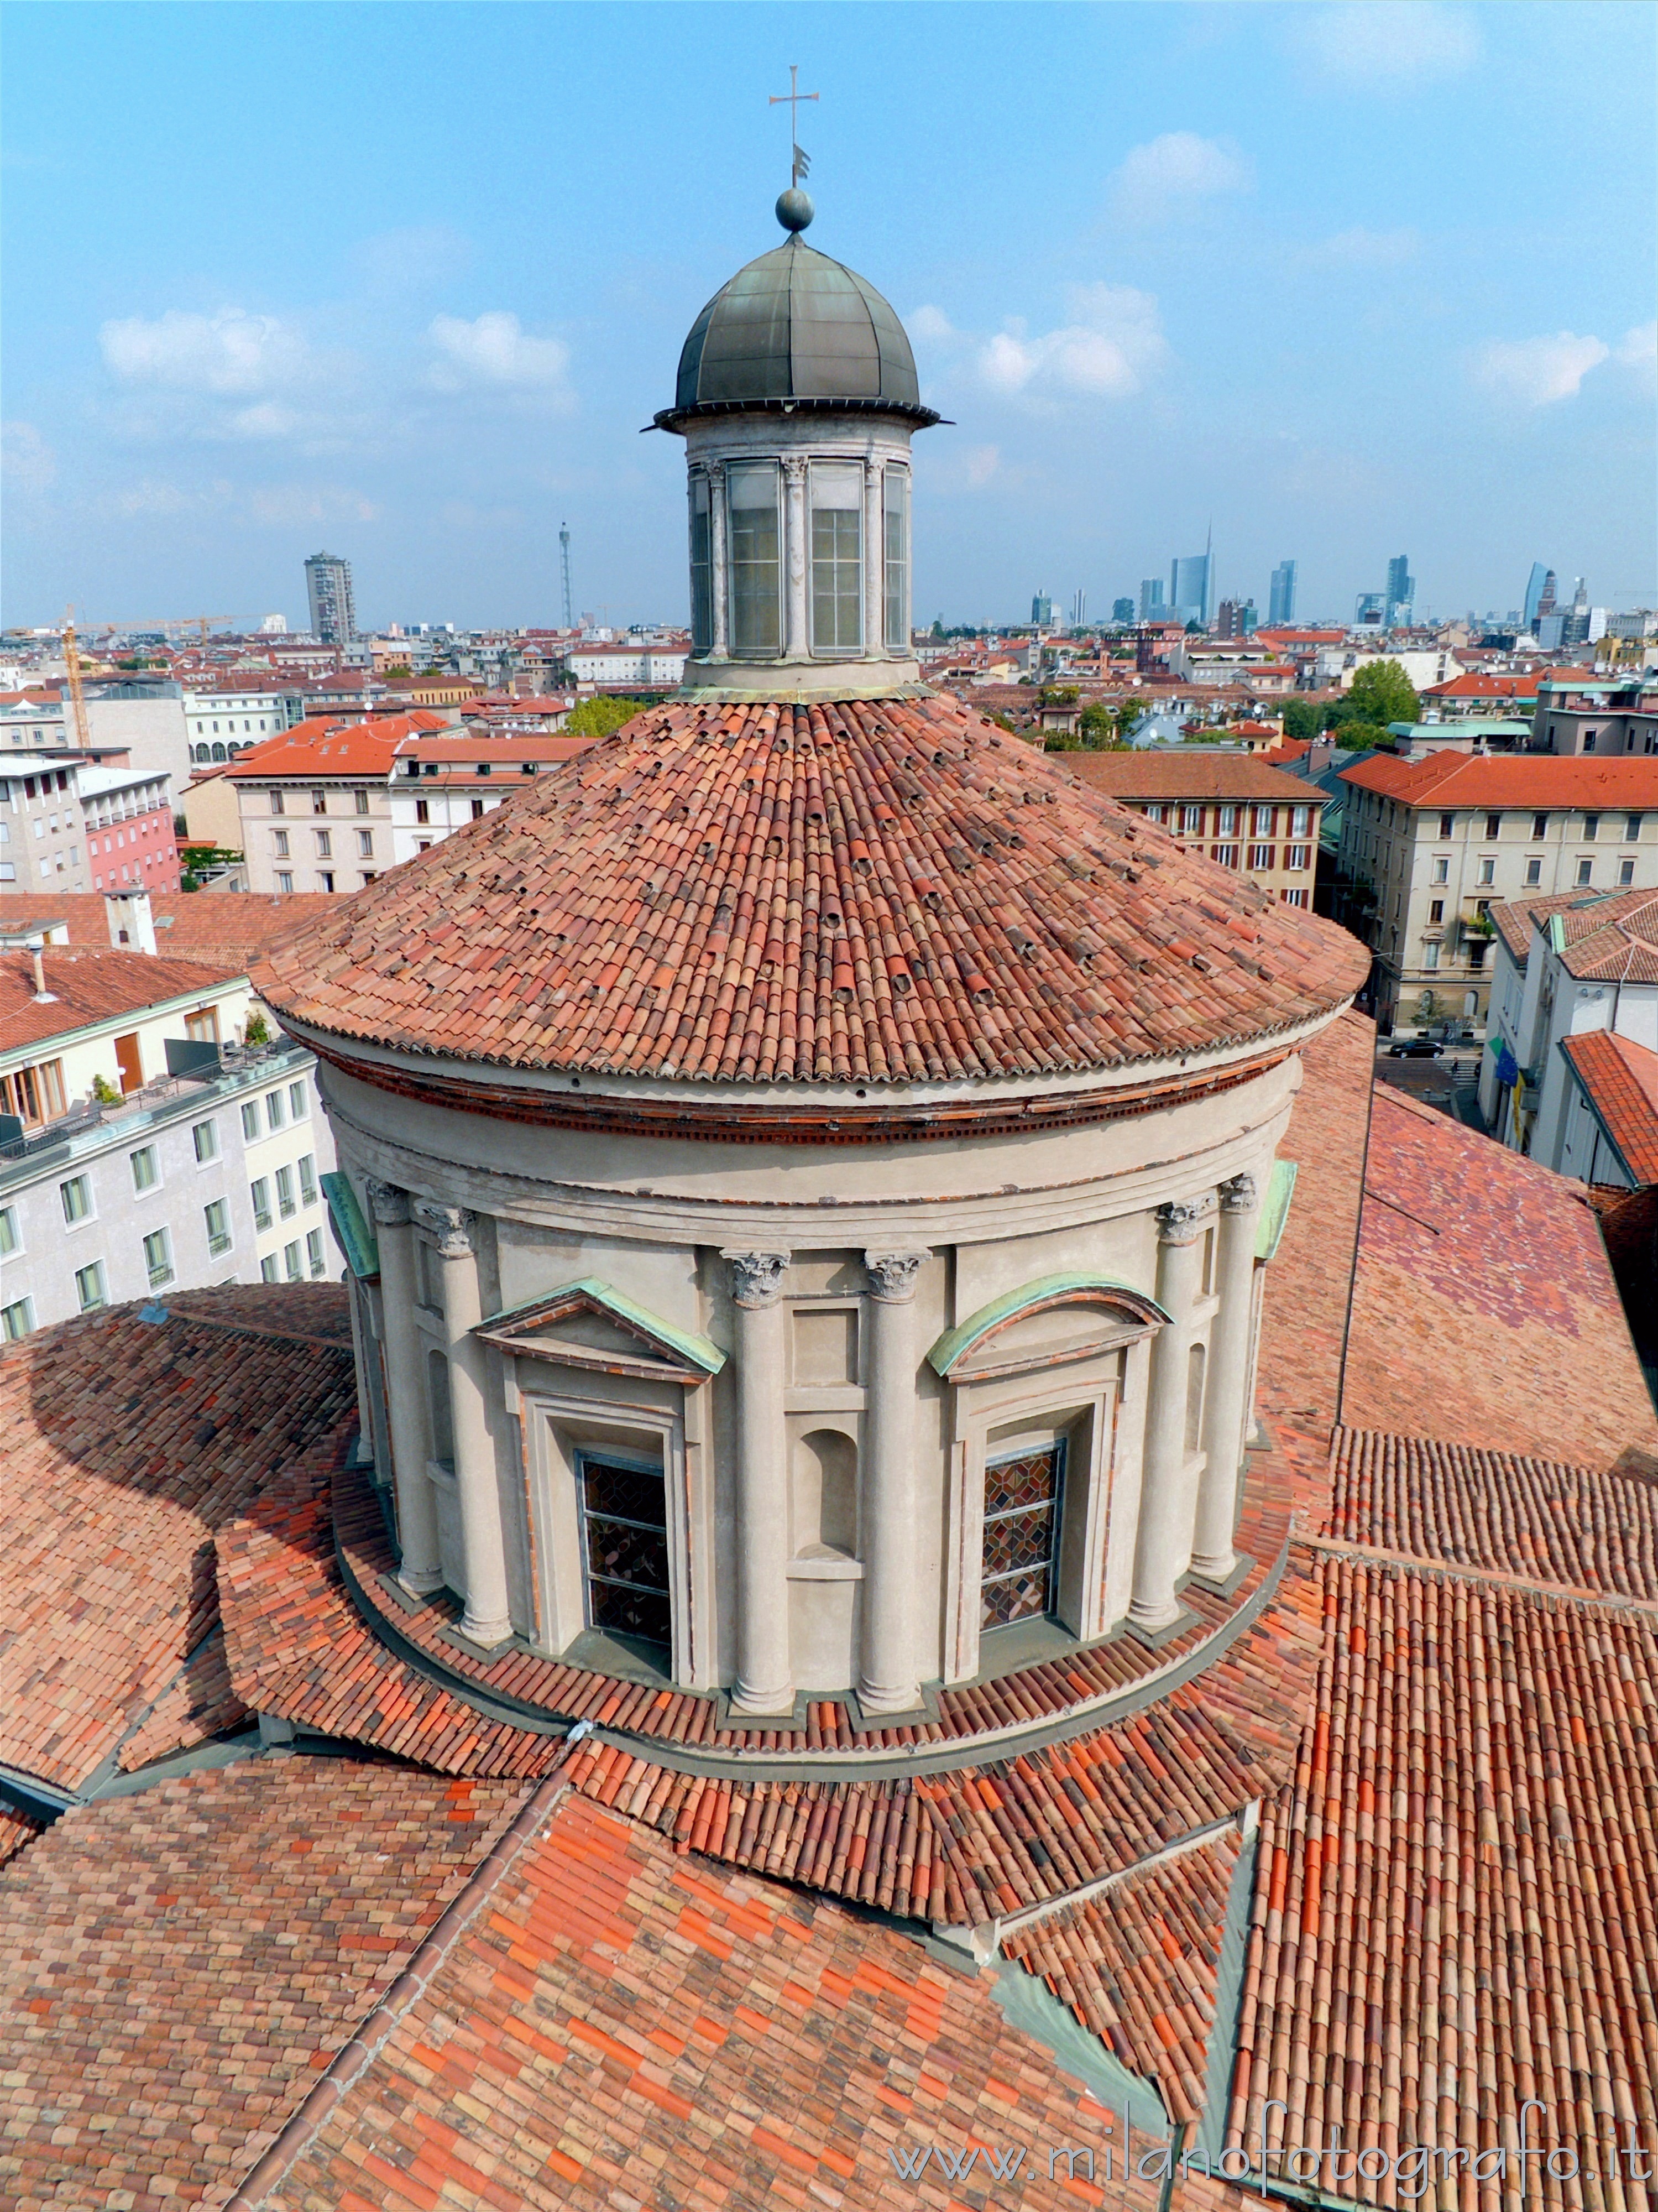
(893, 891)
(1619, 1078)
(1615, 941)
(227, 930)
(324, 745)
(1543, 780)
(624, 2028)
(128, 1442)
(17, 1829)
(86, 987)
(1186, 773)
(1456, 1906)
(1533, 1520)
(1483, 1298)
(175, 1966)
(1139, 1967)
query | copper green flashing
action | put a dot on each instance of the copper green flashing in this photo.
(1275, 1212)
(1044, 1290)
(356, 1238)
(695, 1350)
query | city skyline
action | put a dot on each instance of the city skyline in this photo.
(220, 392)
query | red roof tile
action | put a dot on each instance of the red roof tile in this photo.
(1484, 1298)
(1543, 780)
(1190, 774)
(323, 746)
(893, 891)
(227, 930)
(128, 1442)
(1620, 1080)
(92, 986)
(1137, 1966)
(175, 1966)
(1533, 1520)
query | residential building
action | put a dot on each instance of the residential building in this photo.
(143, 717)
(1281, 599)
(200, 1161)
(328, 588)
(1488, 691)
(224, 723)
(315, 805)
(1234, 808)
(1152, 600)
(1423, 666)
(76, 826)
(439, 784)
(1579, 714)
(1574, 1002)
(622, 667)
(37, 719)
(1429, 847)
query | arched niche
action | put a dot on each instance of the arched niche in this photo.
(824, 1503)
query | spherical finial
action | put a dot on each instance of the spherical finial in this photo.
(794, 209)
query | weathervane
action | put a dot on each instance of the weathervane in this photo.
(794, 96)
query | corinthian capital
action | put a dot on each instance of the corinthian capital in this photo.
(1239, 1195)
(387, 1203)
(1182, 1221)
(892, 1275)
(757, 1277)
(450, 1227)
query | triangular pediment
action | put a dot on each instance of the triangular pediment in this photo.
(592, 1324)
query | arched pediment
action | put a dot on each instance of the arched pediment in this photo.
(1050, 1320)
(592, 1324)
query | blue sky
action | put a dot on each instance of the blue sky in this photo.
(404, 281)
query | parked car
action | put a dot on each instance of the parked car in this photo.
(1415, 1048)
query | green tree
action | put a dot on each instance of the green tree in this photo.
(1355, 737)
(602, 718)
(1303, 719)
(1381, 692)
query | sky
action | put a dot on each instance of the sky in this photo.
(404, 282)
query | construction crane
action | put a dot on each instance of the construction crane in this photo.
(72, 670)
(176, 621)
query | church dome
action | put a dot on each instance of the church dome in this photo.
(795, 328)
(892, 892)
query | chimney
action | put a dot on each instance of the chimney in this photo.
(132, 924)
(42, 996)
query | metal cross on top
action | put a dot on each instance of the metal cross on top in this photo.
(794, 96)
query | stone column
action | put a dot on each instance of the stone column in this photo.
(1226, 1406)
(797, 559)
(874, 564)
(764, 1682)
(1163, 1542)
(887, 1680)
(486, 1620)
(719, 562)
(406, 1383)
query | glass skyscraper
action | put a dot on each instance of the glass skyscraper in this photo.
(1401, 589)
(1188, 588)
(1281, 604)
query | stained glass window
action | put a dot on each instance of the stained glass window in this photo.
(1024, 1495)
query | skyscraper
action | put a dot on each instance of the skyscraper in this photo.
(1540, 581)
(1401, 594)
(1079, 609)
(1151, 606)
(1281, 605)
(1188, 588)
(328, 583)
(1042, 612)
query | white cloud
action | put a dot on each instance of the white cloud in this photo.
(493, 350)
(1384, 46)
(931, 326)
(230, 353)
(29, 463)
(1365, 249)
(1112, 344)
(1173, 174)
(1537, 372)
(288, 506)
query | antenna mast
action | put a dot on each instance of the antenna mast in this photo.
(564, 562)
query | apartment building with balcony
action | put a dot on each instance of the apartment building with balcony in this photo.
(1608, 717)
(1231, 807)
(144, 1146)
(314, 803)
(1429, 847)
(69, 824)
